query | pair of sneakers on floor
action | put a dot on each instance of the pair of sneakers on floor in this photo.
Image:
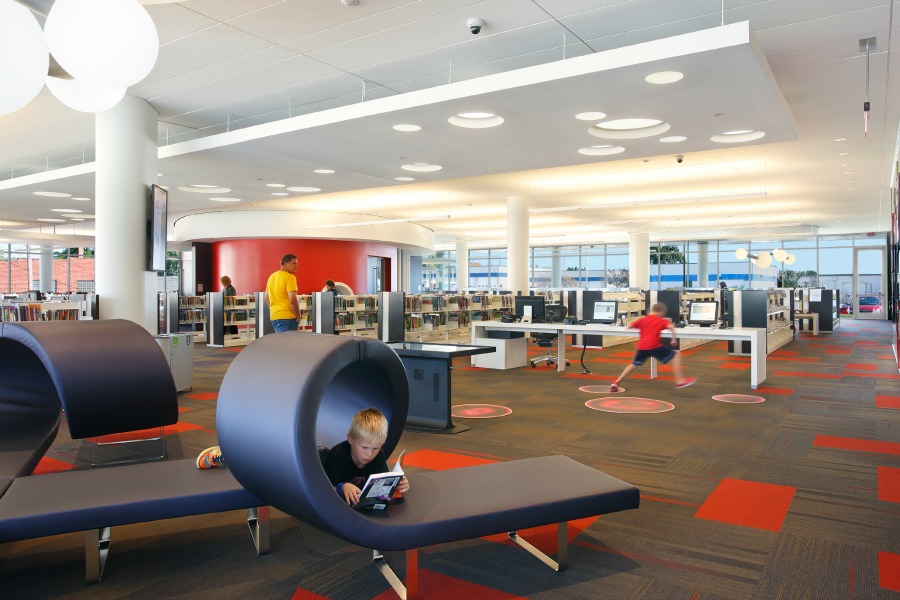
(688, 382)
(210, 458)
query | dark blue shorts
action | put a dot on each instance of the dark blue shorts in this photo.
(661, 353)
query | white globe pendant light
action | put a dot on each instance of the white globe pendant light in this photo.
(84, 97)
(23, 57)
(104, 43)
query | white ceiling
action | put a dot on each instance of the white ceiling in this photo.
(336, 78)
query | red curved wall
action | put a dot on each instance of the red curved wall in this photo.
(249, 262)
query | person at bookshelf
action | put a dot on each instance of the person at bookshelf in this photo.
(281, 292)
(350, 463)
(329, 287)
(228, 290)
(650, 345)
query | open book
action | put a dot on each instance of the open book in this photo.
(379, 487)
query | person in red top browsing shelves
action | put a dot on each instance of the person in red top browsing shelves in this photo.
(650, 346)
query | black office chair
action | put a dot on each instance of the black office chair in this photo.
(553, 313)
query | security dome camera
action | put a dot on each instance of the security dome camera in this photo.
(679, 159)
(475, 25)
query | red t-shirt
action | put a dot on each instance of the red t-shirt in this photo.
(650, 327)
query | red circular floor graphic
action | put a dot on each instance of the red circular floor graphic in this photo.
(479, 411)
(739, 398)
(629, 405)
(599, 389)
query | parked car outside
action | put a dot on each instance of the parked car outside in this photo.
(867, 304)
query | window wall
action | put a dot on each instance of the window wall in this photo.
(20, 269)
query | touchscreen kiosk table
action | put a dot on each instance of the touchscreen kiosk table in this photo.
(703, 312)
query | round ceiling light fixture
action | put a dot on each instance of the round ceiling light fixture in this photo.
(21, 37)
(225, 199)
(83, 97)
(404, 178)
(476, 120)
(47, 220)
(81, 199)
(280, 194)
(275, 185)
(324, 171)
(106, 43)
(591, 116)
(734, 137)
(421, 167)
(628, 129)
(304, 188)
(664, 77)
(53, 194)
(407, 127)
(65, 210)
(204, 189)
(672, 139)
(601, 150)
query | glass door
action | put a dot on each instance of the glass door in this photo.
(376, 273)
(869, 283)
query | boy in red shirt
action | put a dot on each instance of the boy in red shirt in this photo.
(650, 346)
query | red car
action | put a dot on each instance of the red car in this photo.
(867, 304)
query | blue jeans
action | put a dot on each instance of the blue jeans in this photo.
(280, 325)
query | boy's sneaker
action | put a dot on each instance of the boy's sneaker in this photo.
(686, 383)
(613, 388)
(209, 458)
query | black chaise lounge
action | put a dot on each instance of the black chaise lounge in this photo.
(306, 388)
(110, 377)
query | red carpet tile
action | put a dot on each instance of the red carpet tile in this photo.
(471, 368)
(860, 366)
(647, 376)
(589, 376)
(794, 359)
(783, 353)
(889, 484)
(748, 503)
(145, 434)
(544, 537)
(629, 354)
(885, 357)
(847, 334)
(838, 351)
(203, 396)
(774, 390)
(304, 595)
(437, 586)
(844, 443)
(889, 571)
(734, 365)
(183, 409)
(620, 361)
(876, 375)
(51, 465)
(882, 401)
(436, 460)
(802, 374)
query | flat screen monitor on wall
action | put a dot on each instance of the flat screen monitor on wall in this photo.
(536, 305)
(156, 229)
(605, 312)
(703, 313)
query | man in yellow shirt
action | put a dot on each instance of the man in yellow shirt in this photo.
(281, 291)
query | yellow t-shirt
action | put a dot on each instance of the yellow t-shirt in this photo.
(278, 288)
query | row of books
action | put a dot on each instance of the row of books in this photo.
(35, 312)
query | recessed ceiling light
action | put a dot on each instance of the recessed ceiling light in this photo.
(81, 199)
(203, 185)
(53, 194)
(159, 174)
(591, 116)
(476, 120)
(225, 199)
(404, 178)
(280, 194)
(65, 210)
(664, 77)
(421, 167)
(304, 188)
(52, 220)
(74, 219)
(601, 150)
(407, 127)
(324, 171)
(275, 185)
(672, 139)
(850, 189)
(839, 140)
(849, 181)
(843, 153)
(203, 189)
(734, 137)
(628, 129)
(847, 165)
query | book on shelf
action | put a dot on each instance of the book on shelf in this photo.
(379, 487)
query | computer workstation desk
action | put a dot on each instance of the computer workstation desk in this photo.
(513, 352)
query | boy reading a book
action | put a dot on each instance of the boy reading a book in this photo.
(350, 463)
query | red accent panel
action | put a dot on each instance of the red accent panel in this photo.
(889, 571)
(844, 443)
(249, 262)
(889, 484)
(882, 401)
(748, 503)
(51, 465)
(439, 461)
(437, 586)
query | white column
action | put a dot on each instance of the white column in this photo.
(702, 264)
(462, 265)
(126, 166)
(46, 277)
(517, 244)
(639, 260)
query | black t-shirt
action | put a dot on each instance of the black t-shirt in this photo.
(340, 468)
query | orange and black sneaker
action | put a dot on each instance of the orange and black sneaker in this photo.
(210, 458)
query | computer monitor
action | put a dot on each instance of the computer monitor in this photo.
(703, 312)
(605, 311)
(537, 304)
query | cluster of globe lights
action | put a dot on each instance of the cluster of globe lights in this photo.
(764, 259)
(104, 45)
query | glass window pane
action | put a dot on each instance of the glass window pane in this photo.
(877, 240)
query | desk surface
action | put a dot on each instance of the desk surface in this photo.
(438, 350)
(737, 333)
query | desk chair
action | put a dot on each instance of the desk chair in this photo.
(553, 313)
